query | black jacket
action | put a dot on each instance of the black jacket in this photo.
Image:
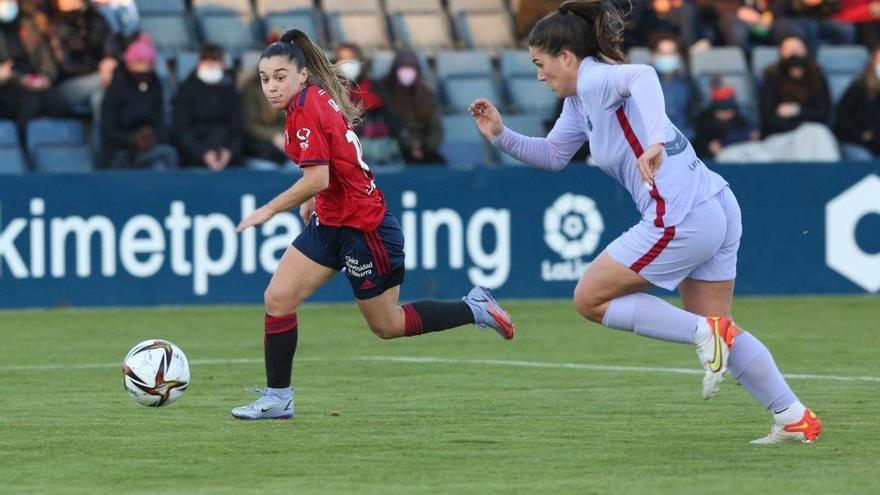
(858, 112)
(130, 104)
(815, 106)
(207, 117)
(83, 39)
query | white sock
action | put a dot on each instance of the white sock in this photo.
(287, 392)
(791, 414)
(703, 332)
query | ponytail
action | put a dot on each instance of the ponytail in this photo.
(299, 48)
(585, 27)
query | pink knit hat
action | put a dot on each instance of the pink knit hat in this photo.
(141, 50)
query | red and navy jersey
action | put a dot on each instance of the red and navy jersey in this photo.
(317, 134)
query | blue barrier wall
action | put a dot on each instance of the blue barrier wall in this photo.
(155, 238)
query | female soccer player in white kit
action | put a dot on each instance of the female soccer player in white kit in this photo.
(690, 229)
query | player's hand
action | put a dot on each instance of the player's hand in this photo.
(306, 210)
(487, 117)
(649, 163)
(259, 216)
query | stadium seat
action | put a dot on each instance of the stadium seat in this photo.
(11, 159)
(529, 125)
(305, 21)
(228, 23)
(763, 57)
(718, 60)
(463, 145)
(170, 33)
(482, 23)
(524, 92)
(460, 92)
(349, 7)
(160, 7)
(841, 64)
(57, 146)
(463, 63)
(366, 29)
(639, 55)
(419, 24)
(266, 7)
(517, 63)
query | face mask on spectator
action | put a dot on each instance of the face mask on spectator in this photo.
(350, 68)
(8, 11)
(210, 75)
(667, 64)
(406, 76)
(795, 62)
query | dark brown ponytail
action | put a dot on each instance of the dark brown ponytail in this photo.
(586, 27)
(299, 48)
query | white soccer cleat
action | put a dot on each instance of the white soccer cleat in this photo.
(488, 313)
(268, 406)
(713, 353)
(807, 430)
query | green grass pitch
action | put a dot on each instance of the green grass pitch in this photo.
(455, 412)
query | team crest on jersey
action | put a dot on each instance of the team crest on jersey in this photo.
(303, 134)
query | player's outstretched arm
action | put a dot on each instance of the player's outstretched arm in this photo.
(314, 180)
(549, 153)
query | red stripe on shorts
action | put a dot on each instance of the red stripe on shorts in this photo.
(656, 249)
(377, 249)
(636, 146)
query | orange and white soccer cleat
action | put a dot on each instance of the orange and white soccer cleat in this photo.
(714, 351)
(488, 313)
(807, 430)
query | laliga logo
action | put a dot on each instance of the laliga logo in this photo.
(842, 216)
(573, 227)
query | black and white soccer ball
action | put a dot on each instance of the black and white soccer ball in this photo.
(155, 373)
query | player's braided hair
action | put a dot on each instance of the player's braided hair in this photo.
(586, 27)
(299, 48)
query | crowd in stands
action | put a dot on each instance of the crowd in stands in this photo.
(169, 84)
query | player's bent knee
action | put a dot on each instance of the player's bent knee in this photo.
(277, 303)
(588, 306)
(383, 331)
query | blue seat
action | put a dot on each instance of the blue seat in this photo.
(8, 134)
(232, 32)
(531, 125)
(366, 29)
(763, 57)
(842, 64)
(742, 84)
(463, 63)
(463, 145)
(639, 55)
(531, 96)
(12, 160)
(170, 33)
(160, 7)
(516, 63)
(62, 160)
(718, 60)
(184, 64)
(57, 145)
(460, 92)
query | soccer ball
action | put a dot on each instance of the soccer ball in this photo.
(155, 373)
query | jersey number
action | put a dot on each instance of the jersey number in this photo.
(352, 138)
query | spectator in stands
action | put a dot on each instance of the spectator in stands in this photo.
(744, 23)
(85, 50)
(263, 125)
(679, 89)
(795, 107)
(379, 146)
(27, 70)
(673, 16)
(813, 21)
(865, 15)
(208, 122)
(794, 90)
(132, 127)
(858, 114)
(121, 15)
(722, 124)
(413, 112)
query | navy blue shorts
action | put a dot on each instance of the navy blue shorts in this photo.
(373, 261)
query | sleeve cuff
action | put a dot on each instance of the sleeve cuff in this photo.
(312, 163)
(496, 140)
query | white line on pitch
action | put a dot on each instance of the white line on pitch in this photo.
(435, 360)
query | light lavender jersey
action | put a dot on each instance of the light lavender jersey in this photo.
(620, 110)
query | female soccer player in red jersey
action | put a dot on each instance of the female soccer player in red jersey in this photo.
(347, 221)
